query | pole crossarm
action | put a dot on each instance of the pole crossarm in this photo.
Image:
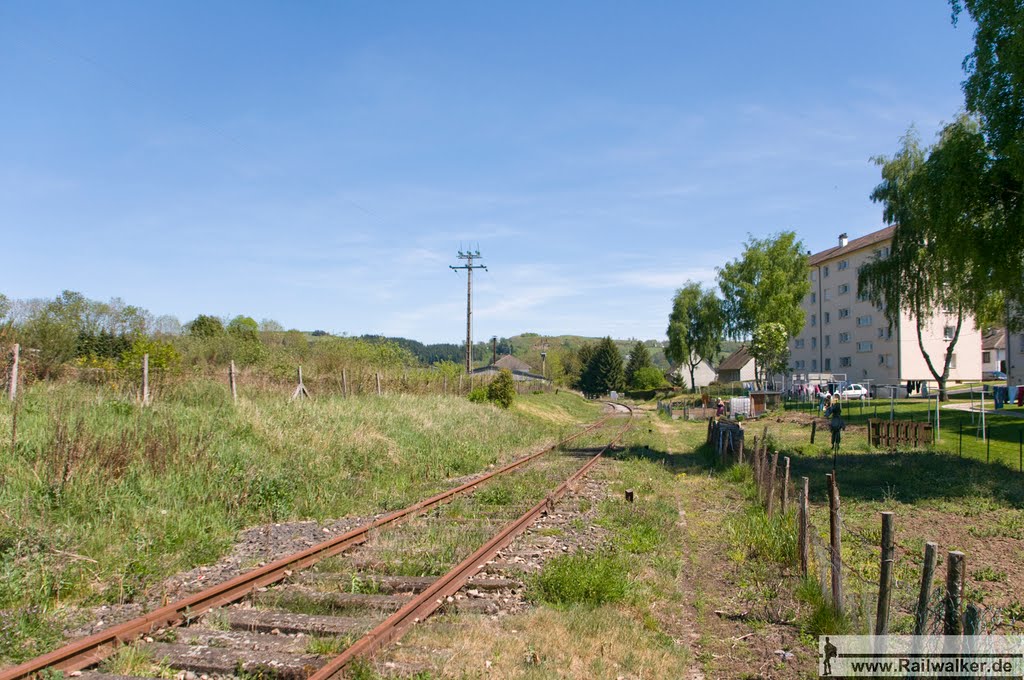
(469, 256)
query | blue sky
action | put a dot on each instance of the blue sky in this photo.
(320, 163)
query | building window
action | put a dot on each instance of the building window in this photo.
(825, 271)
(814, 298)
(844, 288)
(952, 361)
(881, 360)
(843, 264)
(844, 362)
(800, 344)
(862, 297)
(881, 333)
(844, 313)
(844, 337)
(865, 346)
(828, 364)
(814, 275)
(828, 317)
(828, 340)
(814, 364)
(814, 343)
(986, 357)
(828, 294)
(814, 319)
(865, 321)
(799, 365)
(948, 332)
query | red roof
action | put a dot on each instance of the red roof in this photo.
(856, 244)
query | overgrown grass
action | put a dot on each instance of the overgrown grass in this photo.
(101, 499)
(589, 579)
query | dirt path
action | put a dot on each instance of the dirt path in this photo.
(734, 630)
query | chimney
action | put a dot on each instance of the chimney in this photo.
(843, 240)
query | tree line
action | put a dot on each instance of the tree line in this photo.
(761, 292)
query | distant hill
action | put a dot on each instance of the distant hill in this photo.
(528, 347)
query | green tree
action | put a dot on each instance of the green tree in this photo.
(994, 90)
(244, 328)
(639, 357)
(767, 283)
(770, 348)
(205, 326)
(934, 266)
(695, 327)
(502, 390)
(648, 378)
(604, 372)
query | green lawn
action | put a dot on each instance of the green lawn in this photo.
(1005, 431)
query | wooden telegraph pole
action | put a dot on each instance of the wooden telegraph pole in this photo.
(469, 256)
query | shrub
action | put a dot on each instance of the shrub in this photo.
(648, 378)
(503, 390)
(478, 395)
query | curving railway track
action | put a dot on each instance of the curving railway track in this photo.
(311, 614)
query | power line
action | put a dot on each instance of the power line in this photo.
(469, 256)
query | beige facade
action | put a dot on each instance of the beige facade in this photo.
(845, 336)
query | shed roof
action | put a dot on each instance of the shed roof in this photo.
(736, 361)
(995, 338)
(856, 244)
(512, 363)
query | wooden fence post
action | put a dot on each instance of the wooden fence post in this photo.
(785, 487)
(951, 624)
(231, 381)
(885, 575)
(805, 520)
(739, 452)
(12, 389)
(460, 383)
(145, 379)
(972, 620)
(814, 428)
(344, 382)
(377, 374)
(771, 483)
(835, 542)
(925, 595)
(300, 390)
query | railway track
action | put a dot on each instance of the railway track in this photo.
(312, 613)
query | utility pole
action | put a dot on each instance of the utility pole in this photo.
(469, 256)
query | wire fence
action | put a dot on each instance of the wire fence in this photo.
(342, 380)
(865, 597)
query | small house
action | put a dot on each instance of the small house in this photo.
(737, 367)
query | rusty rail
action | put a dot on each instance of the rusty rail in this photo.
(90, 650)
(427, 602)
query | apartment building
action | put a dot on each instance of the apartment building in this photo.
(845, 336)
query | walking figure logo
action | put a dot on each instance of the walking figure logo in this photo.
(830, 653)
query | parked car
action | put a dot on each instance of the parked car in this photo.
(993, 375)
(855, 391)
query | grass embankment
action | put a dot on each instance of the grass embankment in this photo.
(101, 500)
